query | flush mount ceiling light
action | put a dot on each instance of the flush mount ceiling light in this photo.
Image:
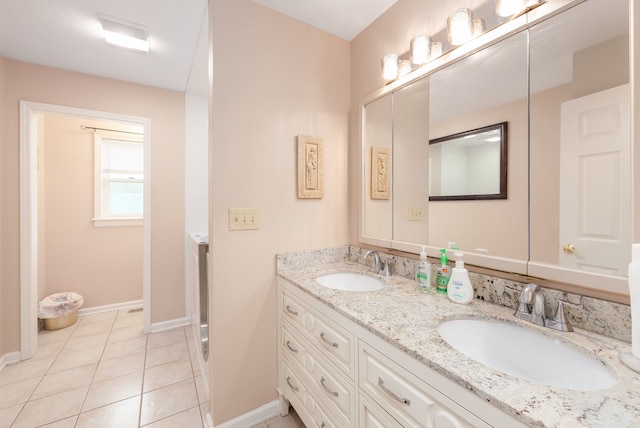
(124, 34)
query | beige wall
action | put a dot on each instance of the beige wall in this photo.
(103, 264)
(165, 109)
(4, 314)
(274, 78)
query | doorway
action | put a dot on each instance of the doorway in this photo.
(30, 115)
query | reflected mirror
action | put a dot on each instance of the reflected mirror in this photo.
(470, 165)
(580, 143)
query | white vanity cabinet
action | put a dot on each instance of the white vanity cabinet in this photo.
(336, 373)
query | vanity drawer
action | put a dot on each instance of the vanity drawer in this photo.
(332, 388)
(326, 334)
(302, 399)
(374, 416)
(406, 398)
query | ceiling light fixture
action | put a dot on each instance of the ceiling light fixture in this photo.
(124, 34)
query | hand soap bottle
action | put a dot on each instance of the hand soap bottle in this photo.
(443, 273)
(423, 272)
(460, 289)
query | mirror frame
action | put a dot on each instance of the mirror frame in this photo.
(502, 192)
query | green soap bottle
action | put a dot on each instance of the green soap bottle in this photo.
(443, 272)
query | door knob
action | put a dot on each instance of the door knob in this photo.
(569, 249)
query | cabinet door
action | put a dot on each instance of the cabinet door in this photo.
(374, 416)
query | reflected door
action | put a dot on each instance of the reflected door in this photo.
(595, 182)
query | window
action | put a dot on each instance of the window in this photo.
(119, 176)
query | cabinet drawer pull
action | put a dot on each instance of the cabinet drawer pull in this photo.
(291, 311)
(391, 394)
(295, 388)
(330, 392)
(292, 349)
(327, 341)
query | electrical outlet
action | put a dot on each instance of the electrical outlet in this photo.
(244, 219)
(415, 213)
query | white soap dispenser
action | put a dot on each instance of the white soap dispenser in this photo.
(460, 289)
(423, 272)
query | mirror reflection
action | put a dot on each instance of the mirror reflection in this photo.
(580, 139)
(470, 165)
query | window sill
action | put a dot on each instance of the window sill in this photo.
(118, 222)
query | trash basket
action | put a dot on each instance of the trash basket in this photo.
(60, 310)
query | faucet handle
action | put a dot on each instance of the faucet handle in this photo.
(559, 321)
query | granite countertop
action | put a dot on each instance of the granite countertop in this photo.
(409, 319)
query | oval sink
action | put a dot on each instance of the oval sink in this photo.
(350, 281)
(527, 354)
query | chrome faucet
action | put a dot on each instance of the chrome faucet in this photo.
(378, 264)
(531, 307)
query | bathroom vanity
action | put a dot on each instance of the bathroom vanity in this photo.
(376, 359)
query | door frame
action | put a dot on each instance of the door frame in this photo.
(29, 112)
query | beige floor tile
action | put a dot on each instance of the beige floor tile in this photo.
(85, 329)
(51, 409)
(164, 338)
(113, 390)
(119, 366)
(167, 374)
(25, 370)
(166, 354)
(83, 342)
(167, 401)
(17, 393)
(125, 347)
(66, 380)
(65, 423)
(71, 359)
(122, 414)
(48, 350)
(202, 390)
(8, 415)
(292, 420)
(119, 334)
(100, 317)
(190, 418)
(49, 336)
(129, 320)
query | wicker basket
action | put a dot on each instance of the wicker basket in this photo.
(61, 322)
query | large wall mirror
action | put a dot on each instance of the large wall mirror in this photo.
(561, 85)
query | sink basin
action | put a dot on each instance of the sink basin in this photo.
(527, 354)
(350, 281)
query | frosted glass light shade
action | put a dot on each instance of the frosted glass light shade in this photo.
(510, 7)
(405, 67)
(390, 67)
(460, 26)
(479, 27)
(436, 50)
(420, 49)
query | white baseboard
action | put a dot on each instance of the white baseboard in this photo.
(9, 358)
(114, 307)
(208, 422)
(254, 417)
(167, 325)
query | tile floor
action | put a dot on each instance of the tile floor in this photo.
(103, 372)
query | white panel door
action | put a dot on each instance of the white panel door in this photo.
(595, 182)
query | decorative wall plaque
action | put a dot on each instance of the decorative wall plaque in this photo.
(310, 167)
(380, 173)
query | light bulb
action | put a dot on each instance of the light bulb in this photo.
(390, 67)
(460, 26)
(420, 49)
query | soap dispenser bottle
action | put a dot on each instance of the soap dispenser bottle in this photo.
(460, 289)
(423, 272)
(443, 273)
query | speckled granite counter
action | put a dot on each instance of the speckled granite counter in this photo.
(409, 319)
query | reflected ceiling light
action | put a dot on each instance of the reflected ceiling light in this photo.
(479, 27)
(511, 7)
(124, 34)
(405, 67)
(420, 49)
(436, 50)
(460, 26)
(390, 67)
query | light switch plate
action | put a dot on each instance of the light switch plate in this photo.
(244, 219)
(416, 213)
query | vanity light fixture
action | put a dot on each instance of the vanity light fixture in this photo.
(420, 49)
(405, 67)
(390, 67)
(460, 26)
(436, 50)
(479, 27)
(507, 8)
(124, 34)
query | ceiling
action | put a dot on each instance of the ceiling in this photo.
(66, 34)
